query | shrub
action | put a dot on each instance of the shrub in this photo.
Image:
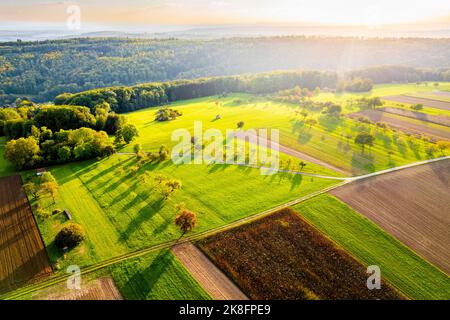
(70, 236)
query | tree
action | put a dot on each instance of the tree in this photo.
(163, 153)
(31, 188)
(417, 107)
(311, 122)
(51, 188)
(304, 114)
(364, 139)
(302, 165)
(64, 154)
(129, 132)
(240, 124)
(70, 236)
(443, 146)
(23, 153)
(137, 147)
(185, 220)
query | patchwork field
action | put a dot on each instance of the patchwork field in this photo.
(283, 257)
(438, 104)
(22, 253)
(411, 204)
(367, 242)
(406, 124)
(441, 120)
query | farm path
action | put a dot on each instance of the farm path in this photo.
(214, 281)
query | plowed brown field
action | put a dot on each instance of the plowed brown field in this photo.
(412, 204)
(22, 252)
(284, 257)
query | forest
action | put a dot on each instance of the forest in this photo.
(41, 70)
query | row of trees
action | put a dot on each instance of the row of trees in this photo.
(355, 85)
(125, 99)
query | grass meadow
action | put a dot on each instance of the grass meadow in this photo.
(122, 210)
(331, 140)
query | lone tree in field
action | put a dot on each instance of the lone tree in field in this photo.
(311, 122)
(443, 146)
(70, 236)
(364, 139)
(129, 132)
(240, 124)
(302, 165)
(186, 220)
(49, 185)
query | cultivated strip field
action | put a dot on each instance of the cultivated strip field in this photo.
(207, 274)
(444, 105)
(442, 120)
(98, 289)
(283, 257)
(22, 253)
(411, 204)
(405, 124)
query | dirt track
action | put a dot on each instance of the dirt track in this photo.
(214, 281)
(22, 253)
(414, 100)
(405, 126)
(412, 204)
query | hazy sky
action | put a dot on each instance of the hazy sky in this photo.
(197, 12)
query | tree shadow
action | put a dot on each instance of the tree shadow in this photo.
(147, 279)
(145, 214)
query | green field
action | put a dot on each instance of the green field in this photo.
(331, 140)
(382, 90)
(372, 246)
(156, 276)
(6, 168)
(121, 212)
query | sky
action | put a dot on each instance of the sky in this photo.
(371, 13)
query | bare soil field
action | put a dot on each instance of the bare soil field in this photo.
(98, 289)
(412, 204)
(284, 257)
(207, 274)
(442, 120)
(22, 253)
(444, 105)
(403, 125)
